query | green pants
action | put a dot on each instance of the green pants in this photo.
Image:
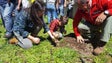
(104, 30)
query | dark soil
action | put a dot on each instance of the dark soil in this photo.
(82, 48)
(85, 49)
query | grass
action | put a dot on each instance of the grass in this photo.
(45, 52)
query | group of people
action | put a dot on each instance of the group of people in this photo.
(94, 15)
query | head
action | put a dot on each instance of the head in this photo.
(37, 11)
(83, 4)
(63, 20)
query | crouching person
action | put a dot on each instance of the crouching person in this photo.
(98, 18)
(57, 28)
(28, 23)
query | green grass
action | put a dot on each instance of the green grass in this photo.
(45, 52)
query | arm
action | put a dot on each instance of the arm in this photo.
(53, 24)
(76, 21)
(46, 29)
(106, 13)
(57, 4)
(19, 4)
(65, 3)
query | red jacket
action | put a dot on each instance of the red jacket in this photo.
(54, 25)
(98, 6)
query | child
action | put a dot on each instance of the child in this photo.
(57, 28)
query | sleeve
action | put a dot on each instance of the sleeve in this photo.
(52, 26)
(77, 19)
(46, 29)
(20, 23)
(109, 6)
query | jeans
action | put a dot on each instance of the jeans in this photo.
(51, 12)
(6, 12)
(61, 10)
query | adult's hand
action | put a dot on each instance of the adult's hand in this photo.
(80, 39)
(100, 19)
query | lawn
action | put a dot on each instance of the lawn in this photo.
(45, 52)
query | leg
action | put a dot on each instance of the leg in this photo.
(49, 15)
(84, 29)
(106, 30)
(8, 19)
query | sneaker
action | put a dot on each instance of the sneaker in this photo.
(8, 35)
(100, 48)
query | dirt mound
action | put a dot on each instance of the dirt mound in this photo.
(70, 41)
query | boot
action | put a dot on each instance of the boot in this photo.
(13, 41)
(99, 48)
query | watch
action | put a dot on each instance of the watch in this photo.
(106, 12)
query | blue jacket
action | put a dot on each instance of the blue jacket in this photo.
(23, 24)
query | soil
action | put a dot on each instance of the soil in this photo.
(83, 48)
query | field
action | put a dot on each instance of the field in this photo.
(67, 51)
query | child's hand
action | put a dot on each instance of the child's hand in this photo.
(56, 35)
(55, 40)
(36, 40)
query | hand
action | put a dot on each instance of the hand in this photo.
(56, 35)
(80, 39)
(100, 18)
(36, 40)
(18, 8)
(55, 40)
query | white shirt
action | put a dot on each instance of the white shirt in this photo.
(26, 4)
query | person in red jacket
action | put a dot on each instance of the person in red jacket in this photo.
(98, 18)
(57, 28)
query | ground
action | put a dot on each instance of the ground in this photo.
(85, 49)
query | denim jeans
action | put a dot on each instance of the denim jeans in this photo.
(23, 25)
(6, 12)
(61, 10)
(51, 12)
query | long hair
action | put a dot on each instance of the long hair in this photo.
(38, 5)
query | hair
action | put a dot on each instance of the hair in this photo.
(81, 1)
(38, 5)
(64, 20)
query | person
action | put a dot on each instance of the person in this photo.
(58, 24)
(28, 23)
(60, 7)
(51, 10)
(6, 9)
(97, 15)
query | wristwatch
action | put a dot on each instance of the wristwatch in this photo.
(106, 12)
